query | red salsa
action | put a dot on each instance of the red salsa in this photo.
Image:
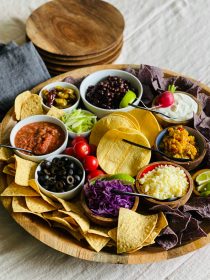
(40, 137)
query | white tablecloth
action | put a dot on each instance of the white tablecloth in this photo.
(171, 34)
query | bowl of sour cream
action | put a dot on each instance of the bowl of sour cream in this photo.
(181, 111)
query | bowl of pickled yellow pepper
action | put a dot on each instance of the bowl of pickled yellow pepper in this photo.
(62, 95)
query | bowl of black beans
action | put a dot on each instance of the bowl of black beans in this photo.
(102, 92)
(60, 176)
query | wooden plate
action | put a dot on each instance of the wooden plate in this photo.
(65, 68)
(91, 61)
(62, 241)
(82, 57)
(75, 27)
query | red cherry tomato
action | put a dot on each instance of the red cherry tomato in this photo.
(81, 149)
(94, 174)
(69, 151)
(78, 139)
(90, 163)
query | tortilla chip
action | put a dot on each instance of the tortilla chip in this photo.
(148, 124)
(133, 229)
(116, 156)
(5, 153)
(113, 234)
(105, 124)
(38, 205)
(9, 170)
(19, 101)
(71, 206)
(81, 220)
(55, 216)
(96, 242)
(19, 206)
(16, 190)
(99, 231)
(25, 170)
(9, 179)
(7, 202)
(31, 106)
(32, 183)
(55, 112)
(76, 234)
(3, 182)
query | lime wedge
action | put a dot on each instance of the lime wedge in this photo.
(129, 97)
(204, 187)
(205, 193)
(123, 177)
(203, 178)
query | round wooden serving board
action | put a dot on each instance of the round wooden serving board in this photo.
(64, 242)
(75, 27)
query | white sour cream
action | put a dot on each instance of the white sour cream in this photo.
(183, 108)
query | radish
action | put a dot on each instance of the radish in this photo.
(166, 98)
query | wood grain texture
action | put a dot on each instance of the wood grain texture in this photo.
(65, 243)
(92, 61)
(75, 27)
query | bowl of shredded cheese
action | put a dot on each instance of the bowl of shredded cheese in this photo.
(165, 180)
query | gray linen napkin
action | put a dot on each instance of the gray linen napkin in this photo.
(21, 68)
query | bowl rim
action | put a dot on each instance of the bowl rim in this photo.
(83, 93)
(61, 125)
(158, 163)
(65, 85)
(50, 158)
(197, 135)
(174, 122)
(101, 218)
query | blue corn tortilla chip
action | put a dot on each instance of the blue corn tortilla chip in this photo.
(73, 81)
(198, 205)
(167, 239)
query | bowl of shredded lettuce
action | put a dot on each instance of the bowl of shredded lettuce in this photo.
(102, 205)
(79, 122)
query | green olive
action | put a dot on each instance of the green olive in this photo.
(63, 95)
(61, 102)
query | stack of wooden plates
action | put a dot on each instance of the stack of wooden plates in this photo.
(71, 34)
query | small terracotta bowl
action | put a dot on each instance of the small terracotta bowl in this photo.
(173, 204)
(189, 165)
(194, 177)
(165, 122)
(99, 220)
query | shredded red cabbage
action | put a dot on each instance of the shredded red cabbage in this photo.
(101, 201)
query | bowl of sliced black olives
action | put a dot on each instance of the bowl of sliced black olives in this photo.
(60, 176)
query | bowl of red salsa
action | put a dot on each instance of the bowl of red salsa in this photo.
(43, 135)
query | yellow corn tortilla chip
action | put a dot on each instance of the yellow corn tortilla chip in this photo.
(38, 205)
(96, 242)
(148, 124)
(25, 170)
(116, 156)
(32, 183)
(113, 234)
(5, 153)
(7, 202)
(76, 234)
(55, 216)
(133, 229)
(9, 169)
(31, 106)
(16, 190)
(3, 182)
(105, 124)
(71, 206)
(102, 231)
(55, 112)
(19, 206)
(80, 219)
(19, 101)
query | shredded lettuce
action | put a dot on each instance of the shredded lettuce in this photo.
(79, 121)
(101, 201)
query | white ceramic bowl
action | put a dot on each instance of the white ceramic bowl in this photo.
(83, 134)
(64, 195)
(33, 119)
(98, 76)
(64, 85)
